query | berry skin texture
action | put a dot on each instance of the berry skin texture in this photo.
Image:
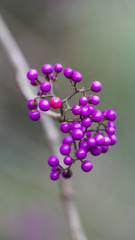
(47, 68)
(96, 150)
(68, 160)
(91, 142)
(110, 131)
(76, 77)
(68, 72)
(76, 109)
(31, 104)
(97, 116)
(86, 166)
(32, 74)
(67, 140)
(105, 149)
(53, 161)
(83, 144)
(99, 139)
(86, 122)
(65, 149)
(34, 115)
(76, 125)
(107, 141)
(54, 176)
(58, 68)
(95, 100)
(113, 139)
(65, 127)
(45, 86)
(111, 124)
(81, 153)
(77, 134)
(111, 115)
(91, 109)
(83, 101)
(51, 76)
(55, 102)
(44, 105)
(96, 86)
(85, 111)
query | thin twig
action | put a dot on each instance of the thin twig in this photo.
(21, 66)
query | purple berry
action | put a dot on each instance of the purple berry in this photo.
(51, 76)
(83, 100)
(45, 86)
(91, 109)
(31, 104)
(65, 149)
(76, 76)
(44, 105)
(105, 149)
(76, 125)
(68, 160)
(53, 161)
(110, 130)
(58, 68)
(68, 72)
(54, 175)
(99, 139)
(95, 100)
(68, 140)
(104, 112)
(107, 141)
(86, 166)
(83, 144)
(113, 139)
(111, 115)
(33, 82)
(47, 68)
(96, 86)
(77, 134)
(81, 153)
(76, 109)
(66, 173)
(97, 116)
(85, 111)
(111, 124)
(96, 150)
(91, 142)
(65, 127)
(32, 74)
(88, 134)
(86, 122)
(34, 115)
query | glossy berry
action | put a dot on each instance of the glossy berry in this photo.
(105, 149)
(44, 105)
(33, 82)
(51, 76)
(88, 134)
(85, 111)
(99, 139)
(94, 99)
(31, 104)
(83, 144)
(76, 77)
(91, 108)
(68, 160)
(45, 86)
(54, 175)
(104, 112)
(68, 72)
(66, 174)
(65, 149)
(111, 115)
(110, 130)
(47, 68)
(86, 166)
(76, 109)
(58, 68)
(113, 139)
(96, 86)
(86, 122)
(34, 115)
(111, 124)
(55, 102)
(97, 116)
(65, 127)
(53, 161)
(68, 140)
(77, 134)
(107, 141)
(91, 142)
(81, 153)
(95, 151)
(76, 125)
(83, 100)
(32, 74)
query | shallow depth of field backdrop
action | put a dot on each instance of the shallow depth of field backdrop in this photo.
(96, 38)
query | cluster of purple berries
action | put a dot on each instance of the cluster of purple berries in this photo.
(82, 139)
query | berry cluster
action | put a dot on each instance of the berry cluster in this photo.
(82, 139)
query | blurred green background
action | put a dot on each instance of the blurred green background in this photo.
(96, 38)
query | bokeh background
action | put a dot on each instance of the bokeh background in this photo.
(96, 38)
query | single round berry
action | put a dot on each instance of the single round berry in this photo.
(31, 104)
(55, 102)
(88, 134)
(58, 68)
(76, 109)
(104, 112)
(54, 175)
(91, 142)
(83, 144)
(51, 76)
(33, 82)
(111, 115)
(85, 111)
(113, 139)
(99, 139)
(96, 86)
(111, 124)
(68, 72)
(68, 160)
(97, 116)
(94, 99)
(68, 140)
(34, 115)
(47, 68)
(76, 76)
(81, 153)
(76, 125)
(45, 86)
(107, 141)
(110, 130)
(86, 166)
(83, 100)
(65, 127)
(32, 74)
(95, 151)
(44, 105)
(53, 161)
(105, 149)
(65, 149)
(77, 134)
(91, 109)
(66, 173)
(86, 122)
